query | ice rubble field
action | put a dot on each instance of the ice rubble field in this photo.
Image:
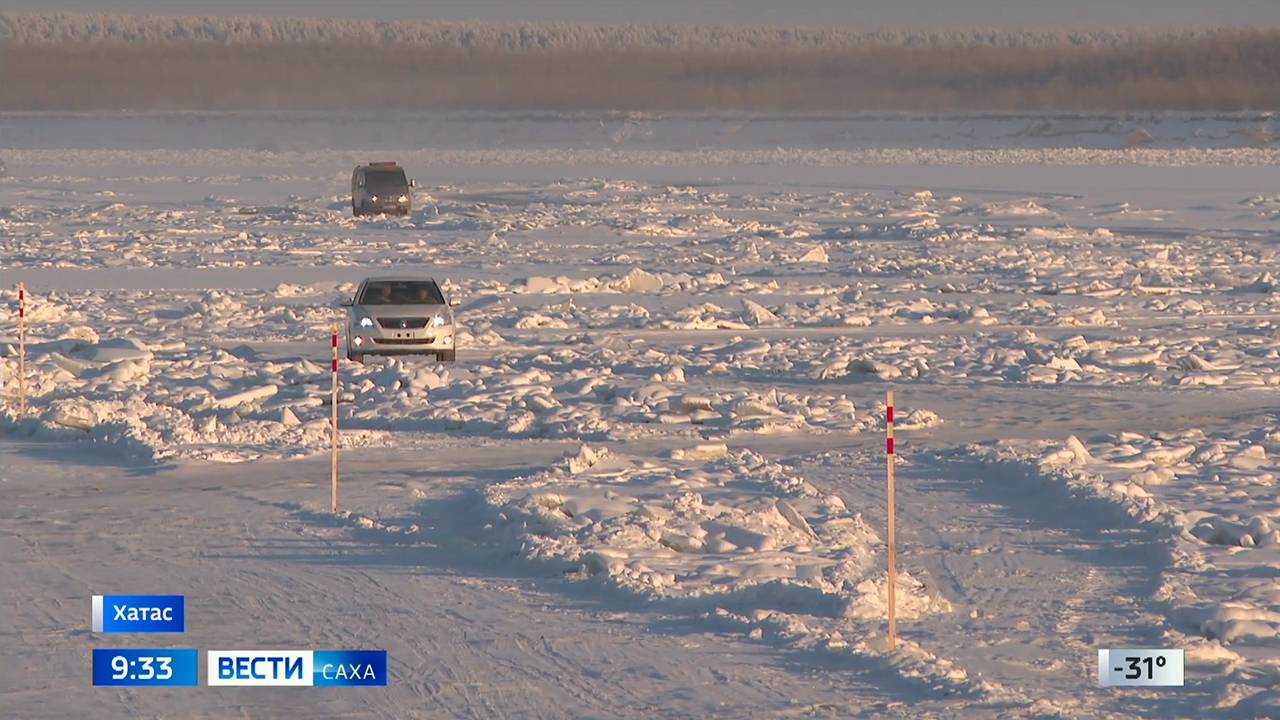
(705, 335)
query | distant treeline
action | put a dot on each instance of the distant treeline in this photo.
(481, 35)
(67, 62)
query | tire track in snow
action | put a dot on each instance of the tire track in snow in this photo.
(1037, 584)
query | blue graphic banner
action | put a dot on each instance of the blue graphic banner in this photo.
(150, 667)
(139, 614)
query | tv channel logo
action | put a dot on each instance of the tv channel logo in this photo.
(298, 668)
(259, 667)
(136, 614)
(350, 668)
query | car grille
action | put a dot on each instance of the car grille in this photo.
(404, 341)
(403, 323)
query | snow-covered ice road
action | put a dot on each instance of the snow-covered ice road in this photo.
(473, 632)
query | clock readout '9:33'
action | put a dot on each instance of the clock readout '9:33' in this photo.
(149, 667)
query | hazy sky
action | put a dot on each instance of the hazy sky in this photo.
(1040, 14)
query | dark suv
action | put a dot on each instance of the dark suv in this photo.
(380, 187)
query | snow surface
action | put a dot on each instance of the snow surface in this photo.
(653, 482)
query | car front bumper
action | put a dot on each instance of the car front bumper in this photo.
(377, 341)
(386, 207)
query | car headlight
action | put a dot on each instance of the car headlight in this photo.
(404, 198)
(366, 322)
(439, 320)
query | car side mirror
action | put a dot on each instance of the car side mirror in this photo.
(413, 183)
(346, 302)
(455, 302)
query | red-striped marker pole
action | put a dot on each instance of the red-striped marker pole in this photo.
(333, 428)
(893, 549)
(22, 348)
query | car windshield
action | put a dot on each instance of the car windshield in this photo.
(385, 182)
(401, 292)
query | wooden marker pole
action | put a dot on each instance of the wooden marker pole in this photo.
(333, 428)
(893, 548)
(22, 348)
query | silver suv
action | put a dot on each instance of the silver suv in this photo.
(400, 316)
(380, 187)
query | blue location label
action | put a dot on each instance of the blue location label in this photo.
(139, 614)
